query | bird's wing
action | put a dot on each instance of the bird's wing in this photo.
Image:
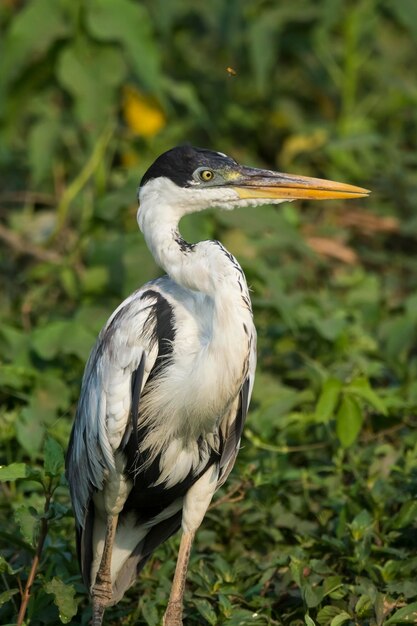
(231, 427)
(119, 365)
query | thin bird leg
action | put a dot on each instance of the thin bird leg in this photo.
(173, 613)
(102, 590)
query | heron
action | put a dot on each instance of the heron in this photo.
(166, 389)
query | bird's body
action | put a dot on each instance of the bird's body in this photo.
(198, 356)
(167, 386)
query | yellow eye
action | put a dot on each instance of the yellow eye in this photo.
(206, 175)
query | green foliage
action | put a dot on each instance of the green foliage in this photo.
(36, 509)
(63, 598)
(90, 93)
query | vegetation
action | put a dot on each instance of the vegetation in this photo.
(317, 524)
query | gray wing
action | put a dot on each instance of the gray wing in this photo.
(232, 427)
(125, 353)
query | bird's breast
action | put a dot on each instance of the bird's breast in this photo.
(208, 365)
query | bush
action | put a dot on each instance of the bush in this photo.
(317, 522)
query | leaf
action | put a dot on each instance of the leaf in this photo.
(57, 511)
(331, 328)
(361, 525)
(33, 30)
(406, 615)
(150, 613)
(15, 376)
(206, 610)
(326, 614)
(15, 345)
(47, 340)
(129, 24)
(312, 596)
(361, 387)
(331, 585)
(62, 337)
(340, 619)
(186, 94)
(406, 12)
(328, 400)
(363, 605)
(64, 598)
(50, 394)
(82, 340)
(54, 457)
(30, 431)
(241, 617)
(263, 40)
(349, 421)
(399, 335)
(95, 279)
(42, 142)
(406, 516)
(14, 471)
(7, 595)
(79, 70)
(411, 307)
(406, 588)
(27, 522)
(6, 567)
(308, 621)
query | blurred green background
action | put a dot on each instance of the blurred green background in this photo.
(317, 524)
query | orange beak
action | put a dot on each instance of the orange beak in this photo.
(255, 183)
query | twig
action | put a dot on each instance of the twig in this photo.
(23, 247)
(19, 584)
(35, 563)
(258, 443)
(28, 196)
(7, 587)
(381, 434)
(228, 496)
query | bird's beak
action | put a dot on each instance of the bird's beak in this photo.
(253, 183)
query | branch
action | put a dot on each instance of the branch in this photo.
(28, 196)
(228, 497)
(23, 247)
(35, 563)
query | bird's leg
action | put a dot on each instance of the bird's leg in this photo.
(194, 507)
(173, 613)
(102, 589)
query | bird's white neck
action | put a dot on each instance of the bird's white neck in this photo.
(205, 267)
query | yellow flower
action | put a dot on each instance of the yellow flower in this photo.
(142, 113)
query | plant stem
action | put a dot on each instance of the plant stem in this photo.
(78, 183)
(36, 559)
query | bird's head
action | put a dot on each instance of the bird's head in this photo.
(188, 179)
